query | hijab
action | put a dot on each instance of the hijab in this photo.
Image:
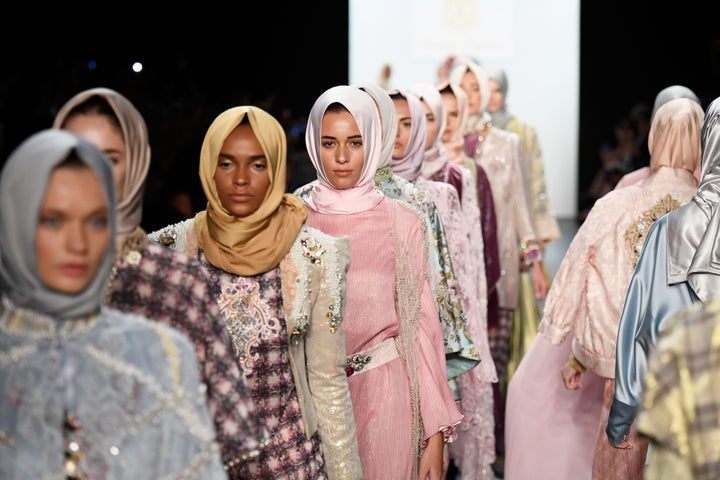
(693, 230)
(674, 138)
(409, 166)
(456, 145)
(388, 117)
(254, 244)
(436, 157)
(137, 146)
(501, 117)
(364, 195)
(670, 93)
(23, 184)
(476, 121)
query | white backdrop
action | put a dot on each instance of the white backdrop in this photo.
(536, 42)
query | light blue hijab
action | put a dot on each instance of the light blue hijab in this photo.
(23, 182)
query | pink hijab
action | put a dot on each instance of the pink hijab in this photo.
(364, 195)
(410, 164)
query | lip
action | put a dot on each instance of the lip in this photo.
(74, 269)
(240, 197)
(342, 173)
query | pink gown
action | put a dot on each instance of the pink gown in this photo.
(383, 396)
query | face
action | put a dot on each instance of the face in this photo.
(103, 133)
(432, 125)
(471, 86)
(404, 119)
(497, 98)
(241, 175)
(73, 231)
(342, 149)
(452, 116)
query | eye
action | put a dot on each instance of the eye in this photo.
(259, 165)
(224, 164)
(100, 222)
(328, 143)
(47, 221)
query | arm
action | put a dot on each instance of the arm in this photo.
(325, 358)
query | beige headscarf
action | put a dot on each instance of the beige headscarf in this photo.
(137, 146)
(254, 244)
(674, 139)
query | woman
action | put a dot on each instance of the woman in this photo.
(417, 155)
(281, 290)
(158, 283)
(404, 409)
(583, 309)
(685, 240)
(498, 152)
(88, 391)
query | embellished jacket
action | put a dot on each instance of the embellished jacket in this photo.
(589, 289)
(313, 277)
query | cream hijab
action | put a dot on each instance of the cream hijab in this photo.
(693, 230)
(674, 138)
(388, 118)
(23, 183)
(476, 121)
(409, 166)
(364, 195)
(456, 145)
(137, 146)
(254, 244)
(436, 157)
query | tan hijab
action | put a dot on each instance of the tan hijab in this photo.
(254, 244)
(137, 146)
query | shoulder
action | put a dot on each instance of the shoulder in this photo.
(174, 235)
(135, 328)
(313, 246)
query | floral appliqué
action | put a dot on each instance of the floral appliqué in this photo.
(635, 235)
(247, 318)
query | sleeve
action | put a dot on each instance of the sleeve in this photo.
(325, 357)
(438, 409)
(650, 304)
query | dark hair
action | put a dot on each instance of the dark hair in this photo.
(97, 105)
(336, 107)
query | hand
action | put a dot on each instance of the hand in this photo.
(431, 462)
(571, 377)
(624, 445)
(540, 283)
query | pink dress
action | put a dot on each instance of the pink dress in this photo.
(407, 373)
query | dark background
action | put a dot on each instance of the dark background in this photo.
(282, 56)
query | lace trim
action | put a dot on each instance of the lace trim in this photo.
(635, 235)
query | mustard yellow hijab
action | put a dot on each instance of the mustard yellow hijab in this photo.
(254, 244)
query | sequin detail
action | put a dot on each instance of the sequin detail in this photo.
(635, 235)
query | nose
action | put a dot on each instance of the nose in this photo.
(77, 239)
(342, 154)
(241, 176)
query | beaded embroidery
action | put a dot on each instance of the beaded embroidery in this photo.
(635, 235)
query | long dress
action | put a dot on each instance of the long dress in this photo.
(402, 398)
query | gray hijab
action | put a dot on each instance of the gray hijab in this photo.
(694, 229)
(23, 182)
(501, 117)
(671, 93)
(388, 117)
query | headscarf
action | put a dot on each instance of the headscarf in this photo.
(693, 229)
(670, 93)
(137, 147)
(436, 157)
(23, 184)
(388, 117)
(456, 145)
(364, 195)
(501, 117)
(410, 164)
(674, 138)
(476, 121)
(254, 244)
